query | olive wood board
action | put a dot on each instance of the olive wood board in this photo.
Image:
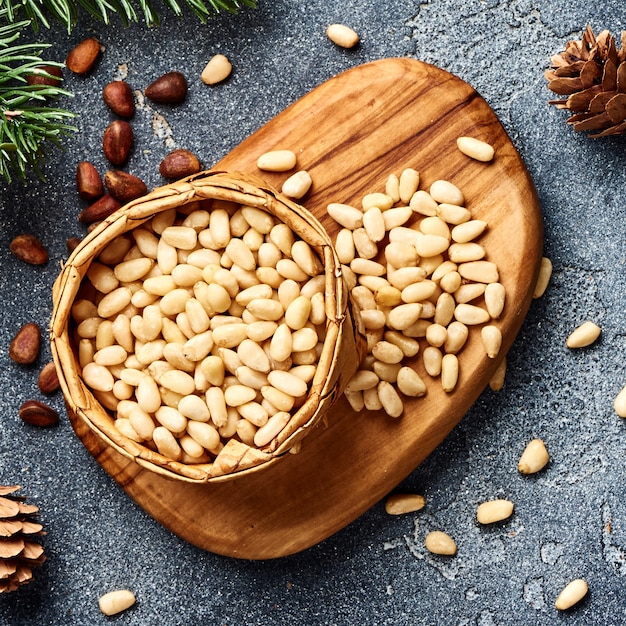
(350, 133)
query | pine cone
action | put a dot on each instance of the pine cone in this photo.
(18, 552)
(592, 74)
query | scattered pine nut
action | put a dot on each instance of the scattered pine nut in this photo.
(475, 148)
(543, 278)
(343, 36)
(496, 382)
(584, 335)
(439, 542)
(216, 70)
(277, 161)
(494, 511)
(619, 403)
(534, 458)
(572, 593)
(116, 601)
(297, 185)
(400, 503)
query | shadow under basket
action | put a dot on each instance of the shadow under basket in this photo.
(343, 345)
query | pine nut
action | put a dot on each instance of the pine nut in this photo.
(475, 148)
(288, 383)
(494, 511)
(401, 503)
(543, 278)
(364, 246)
(453, 214)
(363, 379)
(166, 443)
(116, 601)
(468, 231)
(274, 425)
(470, 315)
(410, 383)
(98, 377)
(403, 316)
(619, 404)
(492, 340)
(495, 295)
(465, 252)
(397, 216)
(389, 398)
(387, 352)
(374, 224)
(392, 187)
(409, 182)
(182, 237)
(443, 191)
(216, 70)
(204, 434)
(573, 593)
(377, 199)
(342, 35)
(439, 542)
(449, 372)
(297, 185)
(347, 216)
(277, 161)
(584, 335)
(496, 382)
(422, 202)
(534, 458)
(479, 271)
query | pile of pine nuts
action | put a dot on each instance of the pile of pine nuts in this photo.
(202, 325)
(431, 281)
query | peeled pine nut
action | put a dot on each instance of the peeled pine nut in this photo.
(400, 503)
(449, 372)
(116, 601)
(494, 299)
(619, 404)
(573, 593)
(409, 382)
(545, 273)
(470, 315)
(216, 70)
(274, 425)
(297, 185)
(392, 187)
(496, 382)
(276, 161)
(534, 458)
(492, 340)
(347, 216)
(494, 511)
(475, 148)
(445, 192)
(439, 542)
(341, 35)
(584, 335)
(389, 398)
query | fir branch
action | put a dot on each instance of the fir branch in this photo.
(27, 121)
(67, 11)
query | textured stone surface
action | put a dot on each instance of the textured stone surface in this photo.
(569, 520)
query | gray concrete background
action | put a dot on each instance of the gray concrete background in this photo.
(570, 520)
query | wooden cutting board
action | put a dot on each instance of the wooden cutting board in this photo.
(350, 133)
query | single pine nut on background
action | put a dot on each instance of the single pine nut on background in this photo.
(438, 542)
(342, 35)
(584, 335)
(277, 161)
(494, 511)
(216, 70)
(401, 503)
(619, 404)
(534, 458)
(543, 279)
(475, 148)
(115, 602)
(571, 594)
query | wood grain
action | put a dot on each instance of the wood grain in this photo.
(350, 133)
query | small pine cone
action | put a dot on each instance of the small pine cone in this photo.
(19, 553)
(592, 74)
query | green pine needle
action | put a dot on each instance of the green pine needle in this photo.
(27, 121)
(66, 11)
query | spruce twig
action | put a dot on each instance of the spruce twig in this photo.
(67, 11)
(27, 120)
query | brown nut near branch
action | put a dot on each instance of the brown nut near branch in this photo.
(179, 164)
(71, 243)
(171, 88)
(38, 413)
(82, 57)
(24, 347)
(117, 141)
(118, 96)
(47, 75)
(88, 181)
(99, 210)
(124, 186)
(48, 379)
(29, 249)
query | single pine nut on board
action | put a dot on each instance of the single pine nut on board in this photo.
(584, 335)
(277, 161)
(475, 148)
(116, 601)
(534, 458)
(571, 594)
(619, 404)
(439, 542)
(401, 503)
(342, 35)
(494, 511)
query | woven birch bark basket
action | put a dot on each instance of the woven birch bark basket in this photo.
(342, 350)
